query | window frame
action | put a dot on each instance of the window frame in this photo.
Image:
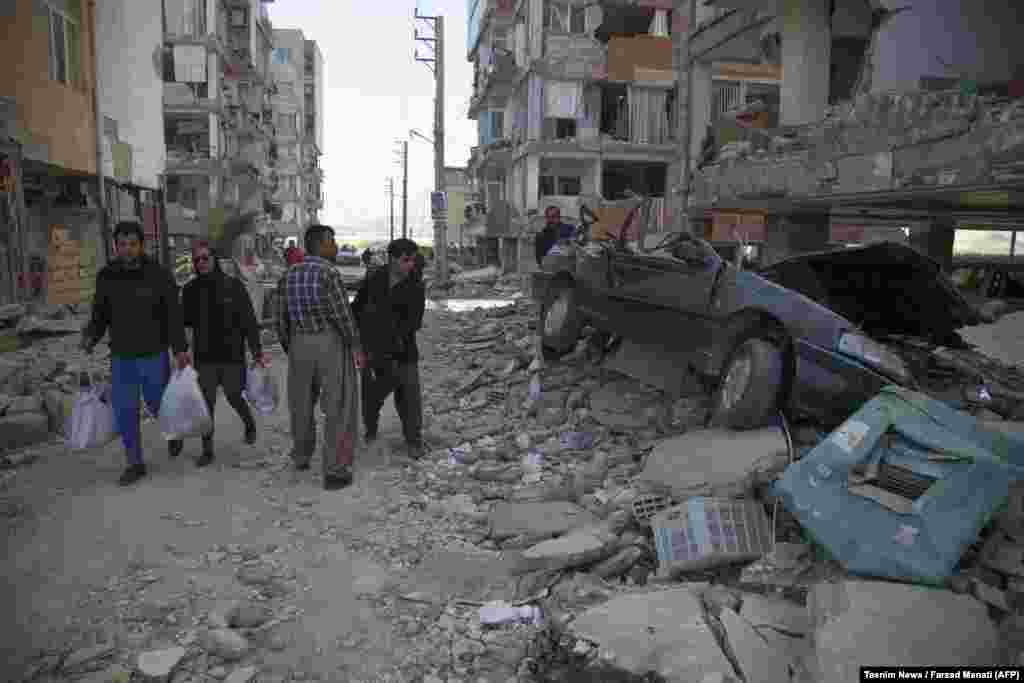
(69, 79)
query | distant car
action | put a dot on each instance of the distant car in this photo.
(806, 335)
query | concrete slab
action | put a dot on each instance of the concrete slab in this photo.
(891, 624)
(542, 519)
(759, 662)
(712, 462)
(24, 429)
(575, 549)
(776, 613)
(660, 631)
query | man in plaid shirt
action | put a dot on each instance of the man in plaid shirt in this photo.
(318, 332)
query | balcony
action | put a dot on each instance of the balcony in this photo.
(495, 83)
(182, 161)
(191, 98)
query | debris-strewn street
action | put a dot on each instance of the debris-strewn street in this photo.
(540, 539)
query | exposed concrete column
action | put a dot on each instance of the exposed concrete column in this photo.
(700, 109)
(806, 55)
(794, 234)
(531, 182)
(935, 239)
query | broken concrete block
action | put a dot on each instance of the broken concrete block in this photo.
(546, 519)
(777, 613)
(580, 547)
(241, 675)
(18, 405)
(159, 664)
(58, 407)
(891, 624)
(24, 429)
(713, 462)
(225, 644)
(661, 631)
(758, 662)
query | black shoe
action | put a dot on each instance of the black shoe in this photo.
(338, 481)
(132, 474)
(415, 450)
(174, 447)
(250, 434)
(205, 459)
(371, 435)
(302, 467)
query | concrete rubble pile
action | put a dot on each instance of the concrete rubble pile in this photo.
(540, 539)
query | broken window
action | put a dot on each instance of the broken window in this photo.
(559, 129)
(646, 179)
(559, 185)
(846, 59)
(614, 111)
(565, 18)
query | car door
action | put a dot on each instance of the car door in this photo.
(662, 295)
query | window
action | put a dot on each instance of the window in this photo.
(577, 20)
(562, 18)
(565, 128)
(547, 185)
(569, 186)
(65, 48)
(310, 124)
(498, 124)
(239, 18)
(500, 40)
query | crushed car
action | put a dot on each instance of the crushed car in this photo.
(815, 335)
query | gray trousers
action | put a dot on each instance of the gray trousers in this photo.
(321, 368)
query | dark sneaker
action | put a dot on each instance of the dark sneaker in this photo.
(302, 467)
(250, 434)
(205, 459)
(132, 474)
(371, 437)
(174, 447)
(339, 480)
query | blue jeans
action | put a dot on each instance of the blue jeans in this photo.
(150, 373)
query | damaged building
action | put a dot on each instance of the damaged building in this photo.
(889, 121)
(576, 104)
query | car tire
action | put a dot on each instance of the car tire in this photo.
(749, 387)
(560, 322)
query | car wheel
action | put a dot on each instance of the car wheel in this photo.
(748, 391)
(560, 321)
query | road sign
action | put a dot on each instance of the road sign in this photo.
(438, 205)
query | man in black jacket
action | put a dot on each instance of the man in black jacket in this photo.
(389, 310)
(218, 310)
(137, 300)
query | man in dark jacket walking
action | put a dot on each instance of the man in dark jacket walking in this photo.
(137, 300)
(218, 310)
(389, 310)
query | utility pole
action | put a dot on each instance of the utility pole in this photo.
(436, 64)
(391, 194)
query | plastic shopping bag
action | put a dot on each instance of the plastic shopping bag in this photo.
(91, 423)
(183, 410)
(261, 390)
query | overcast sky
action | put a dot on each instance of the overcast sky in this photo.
(374, 93)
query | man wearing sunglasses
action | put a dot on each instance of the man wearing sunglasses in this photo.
(220, 314)
(137, 300)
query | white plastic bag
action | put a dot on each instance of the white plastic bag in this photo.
(91, 423)
(183, 410)
(261, 390)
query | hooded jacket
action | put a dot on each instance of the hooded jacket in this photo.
(140, 308)
(218, 309)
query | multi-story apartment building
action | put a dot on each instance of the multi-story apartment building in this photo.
(575, 103)
(313, 131)
(48, 148)
(296, 66)
(216, 120)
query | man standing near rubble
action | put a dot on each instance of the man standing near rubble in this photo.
(553, 231)
(317, 330)
(137, 300)
(220, 314)
(389, 311)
